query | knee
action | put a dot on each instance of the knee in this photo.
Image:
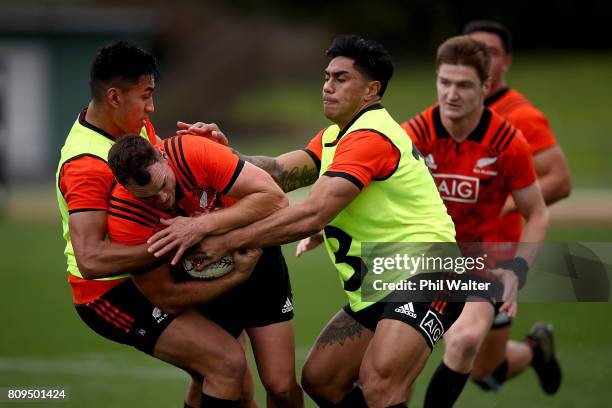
(311, 379)
(376, 383)
(319, 385)
(280, 388)
(463, 345)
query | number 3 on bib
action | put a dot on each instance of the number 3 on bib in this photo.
(354, 262)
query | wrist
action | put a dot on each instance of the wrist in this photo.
(519, 266)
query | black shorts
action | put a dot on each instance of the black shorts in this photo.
(126, 316)
(264, 299)
(430, 319)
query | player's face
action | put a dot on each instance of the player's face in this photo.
(460, 92)
(500, 60)
(161, 190)
(344, 92)
(135, 104)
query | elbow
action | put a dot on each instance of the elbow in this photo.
(565, 188)
(86, 267)
(315, 222)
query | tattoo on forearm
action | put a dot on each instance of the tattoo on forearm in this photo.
(339, 330)
(288, 180)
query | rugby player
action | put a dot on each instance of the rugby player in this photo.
(369, 186)
(477, 159)
(554, 179)
(217, 191)
(122, 82)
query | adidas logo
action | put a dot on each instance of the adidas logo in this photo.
(407, 309)
(288, 306)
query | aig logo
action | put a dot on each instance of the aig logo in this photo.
(454, 187)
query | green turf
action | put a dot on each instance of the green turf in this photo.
(44, 344)
(569, 88)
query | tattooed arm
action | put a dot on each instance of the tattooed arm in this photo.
(291, 170)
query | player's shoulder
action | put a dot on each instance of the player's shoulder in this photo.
(501, 135)
(86, 166)
(516, 107)
(421, 128)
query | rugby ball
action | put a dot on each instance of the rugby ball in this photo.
(214, 270)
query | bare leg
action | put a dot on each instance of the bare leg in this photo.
(198, 345)
(274, 350)
(394, 358)
(248, 391)
(492, 353)
(332, 366)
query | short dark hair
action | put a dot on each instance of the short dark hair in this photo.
(492, 27)
(464, 50)
(371, 58)
(130, 157)
(119, 64)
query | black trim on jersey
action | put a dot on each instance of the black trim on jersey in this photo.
(78, 210)
(96, 129)
(428, 133)
(477, 134)
(134, 205)
(501, 135)
(125, 217)
(78, 156)
(348, 125)
(314, 158)
(173, 157)
(345, 176)
(418, 136)
(237, 171)
(189, 172)
(128, 210)
(496, 96)
(399, 157)
(505, 146)
(423, 134)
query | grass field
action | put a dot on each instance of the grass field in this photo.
(44, 344)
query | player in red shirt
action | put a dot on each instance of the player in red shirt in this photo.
(551, 168)
(550, 163)
(477, 159)
(197, 177)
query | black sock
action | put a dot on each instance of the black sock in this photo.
(400, 405)
(444, 387)
(213, 402)
(354, 399)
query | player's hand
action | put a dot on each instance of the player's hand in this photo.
(213, 248)
(510, 281)
(245, 261)
(180, 233)
(208, 130)
(309, 243)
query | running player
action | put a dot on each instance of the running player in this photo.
(200, 176)
(477, 160)
(554, 179)
(369, 186)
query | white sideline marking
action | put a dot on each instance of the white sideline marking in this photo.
(95, 365)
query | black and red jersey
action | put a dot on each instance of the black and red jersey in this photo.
(476, 175)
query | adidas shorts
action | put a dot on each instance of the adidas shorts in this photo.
(430, 319)
(264, 299)
(125, 315)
